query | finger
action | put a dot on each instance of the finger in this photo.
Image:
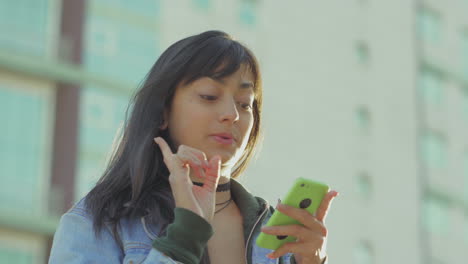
(284, 249)
(194, 163)
(180, 176)
(173, 162)
(212, 174)
(304, 217)
(300, 232)
(296, 231)
(325, 205)
(165, 149)
(299, 248)
(201, 156)
(197, 154)
(189, 155)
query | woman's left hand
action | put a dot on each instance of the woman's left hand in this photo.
(310, 247)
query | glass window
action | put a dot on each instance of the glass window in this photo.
(117, 49)
(147, 8)
(363, 119)
(247, 12)
(20, 248)
(464, 54)
(436, 260)
(429, 23)
(27, 24)
(203, 4)
(11, 255)
(431, 87)
(362, 53)
(466, 228)
(101, 116)
(363, 253)
(24, 137)
(122, 46)
(434, 150)
(364, 186)
(436, 215)
(465, 176)
(464, 107)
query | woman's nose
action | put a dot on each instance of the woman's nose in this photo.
(229, 111)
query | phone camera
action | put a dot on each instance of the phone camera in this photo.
(305, 203)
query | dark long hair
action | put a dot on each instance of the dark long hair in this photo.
(135, 181)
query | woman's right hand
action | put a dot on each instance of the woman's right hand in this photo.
(198, 199)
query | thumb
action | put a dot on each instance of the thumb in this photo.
(213, 173)
(324, 207)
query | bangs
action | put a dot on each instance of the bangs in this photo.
(220, 58)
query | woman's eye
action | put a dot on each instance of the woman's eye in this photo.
(208, 97)
(245, 106)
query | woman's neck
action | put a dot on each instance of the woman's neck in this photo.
(221, 196)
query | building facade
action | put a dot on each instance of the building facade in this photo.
(368, 96)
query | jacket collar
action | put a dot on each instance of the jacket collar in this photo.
(251, 207)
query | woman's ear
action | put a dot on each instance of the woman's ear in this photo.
(164, 123)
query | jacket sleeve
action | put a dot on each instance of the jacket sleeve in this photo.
(75, 243)
(186, 237)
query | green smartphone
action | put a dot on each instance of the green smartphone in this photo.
(305, 194)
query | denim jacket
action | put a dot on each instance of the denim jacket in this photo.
(75, 240)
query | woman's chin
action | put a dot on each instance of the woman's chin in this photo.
(227, 160)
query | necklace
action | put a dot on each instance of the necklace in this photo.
(226, 203)
(221, 187)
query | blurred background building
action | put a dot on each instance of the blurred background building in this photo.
(369, 96)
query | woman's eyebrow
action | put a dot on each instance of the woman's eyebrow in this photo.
(243, 85)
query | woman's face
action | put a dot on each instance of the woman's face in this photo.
(214, 116)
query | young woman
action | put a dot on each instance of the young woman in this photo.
(169, 193)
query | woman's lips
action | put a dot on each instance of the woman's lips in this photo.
(222, 140)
